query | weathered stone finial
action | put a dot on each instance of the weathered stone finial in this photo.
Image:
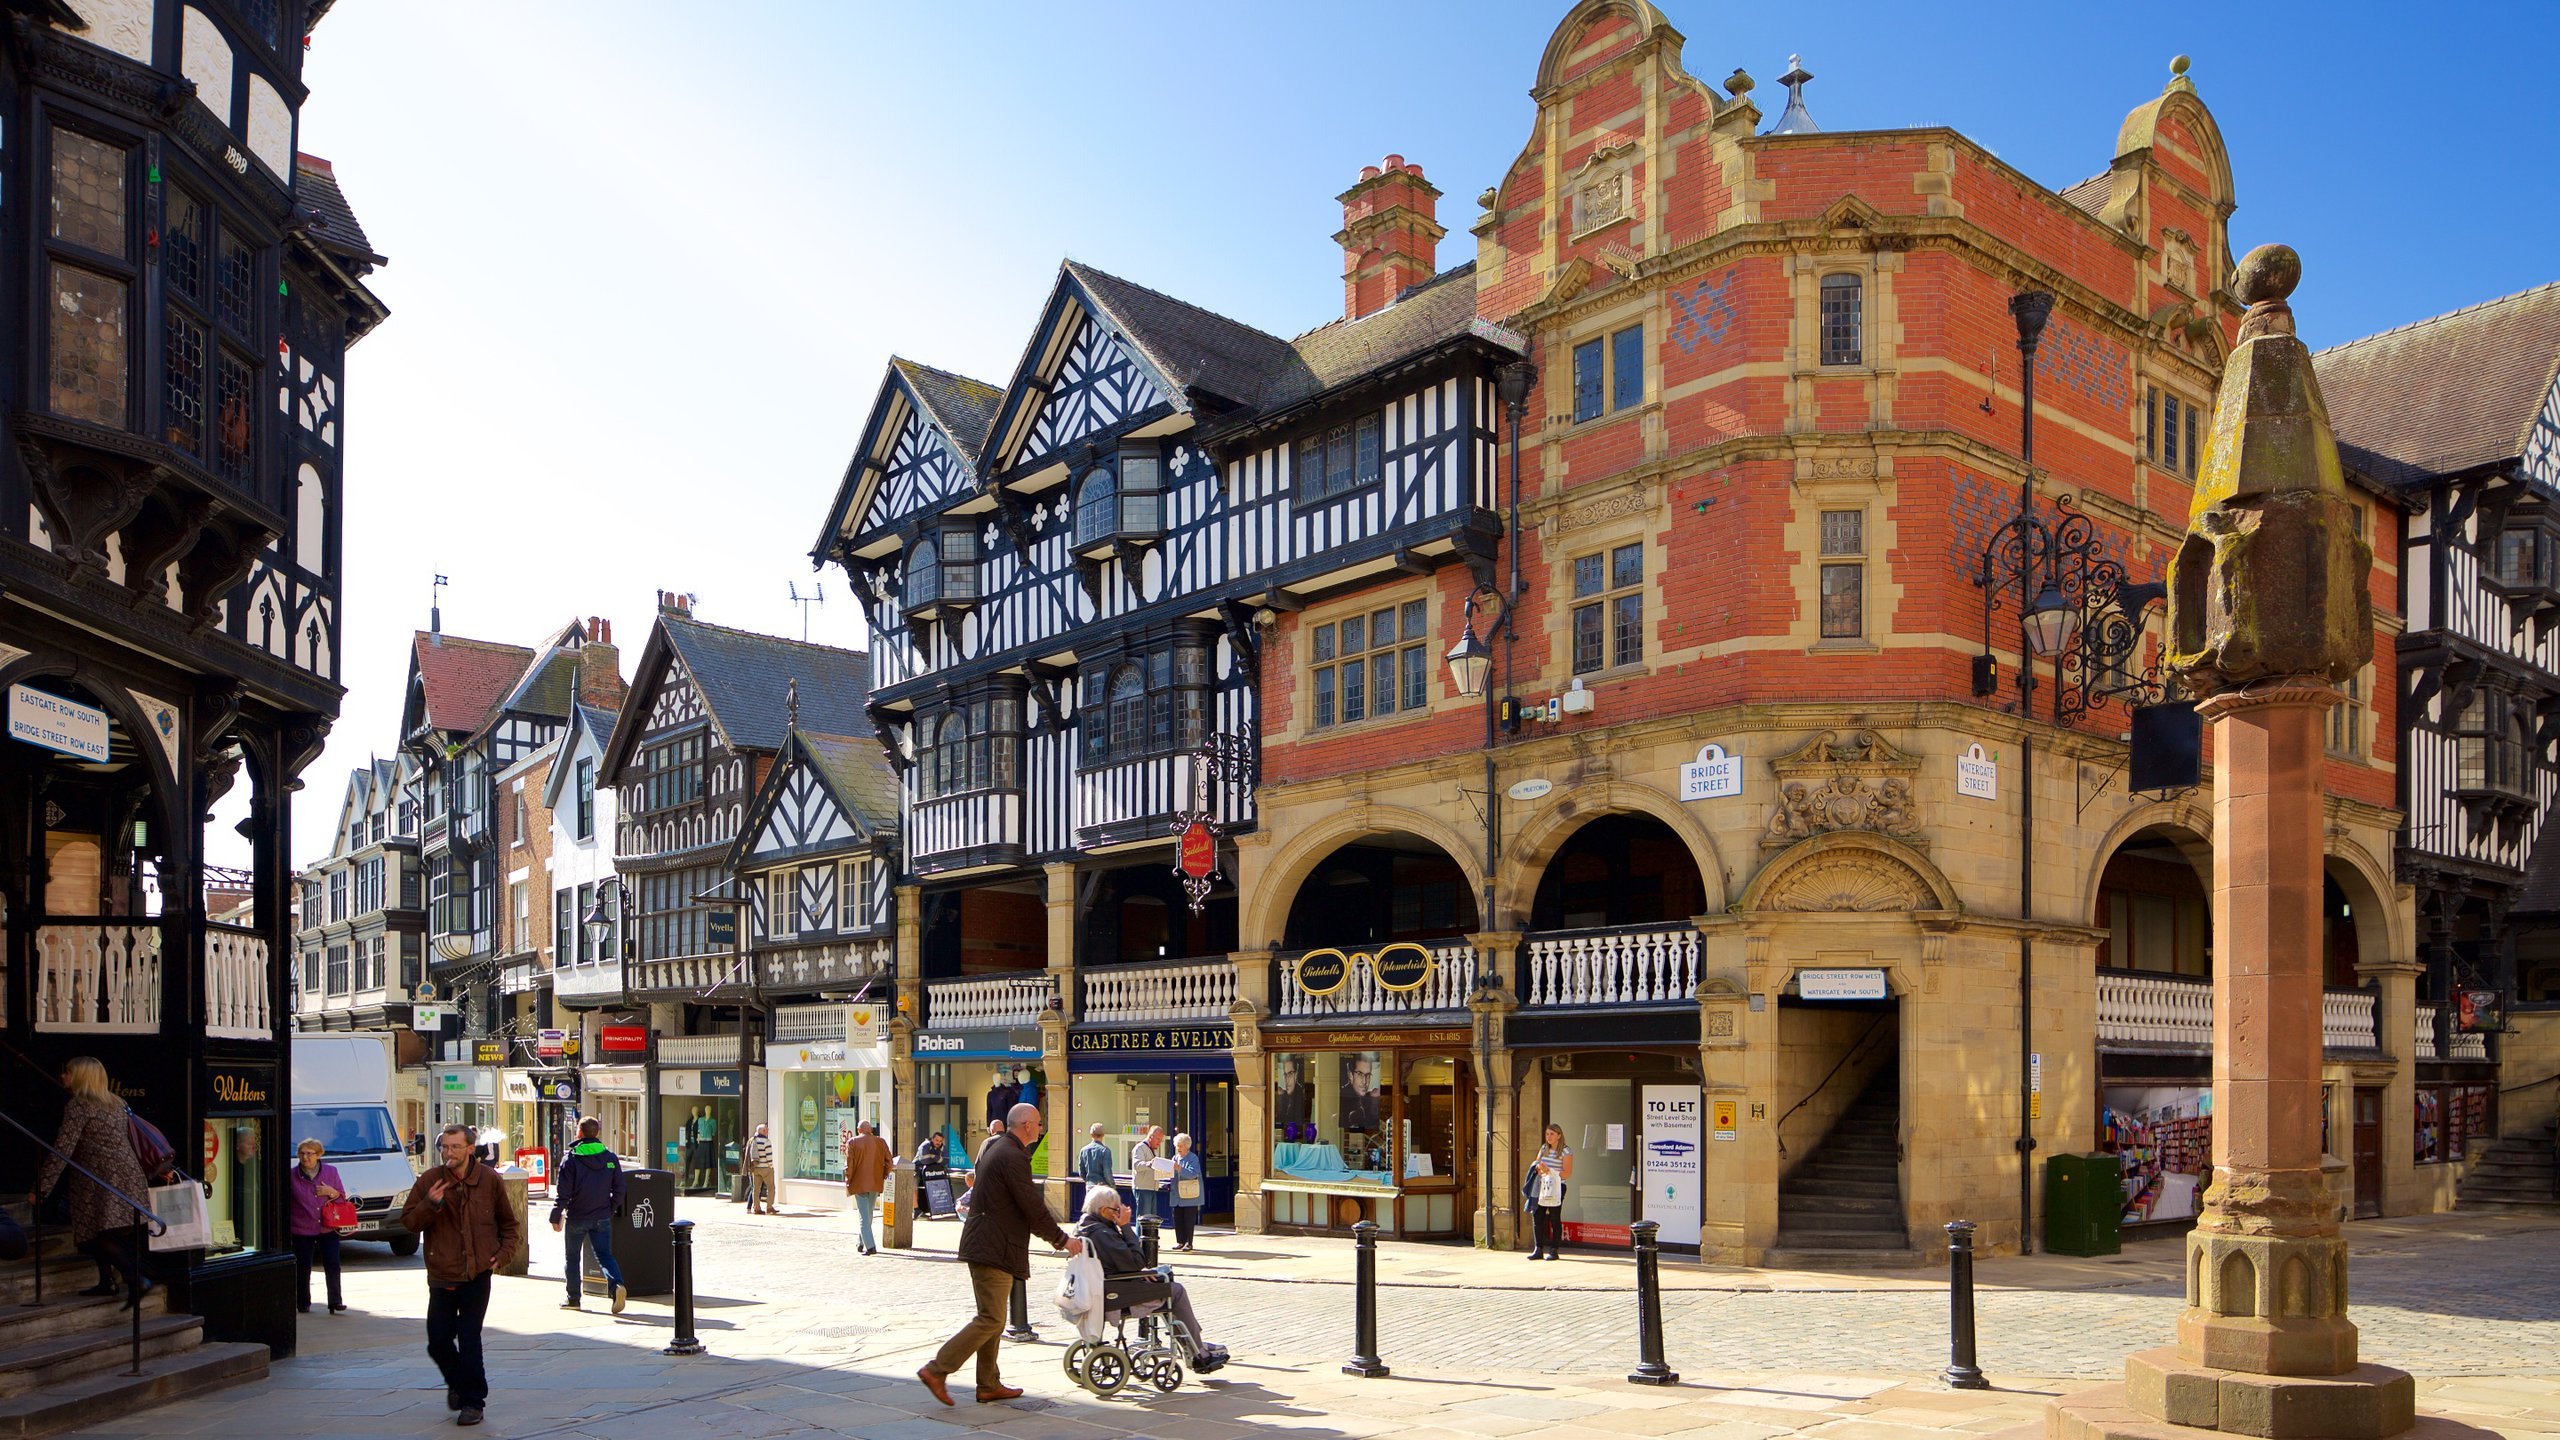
(1739, 83)
(2178, 75)
(2271, 581)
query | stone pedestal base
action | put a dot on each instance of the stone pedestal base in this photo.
(2351, 1409)
(2369, 1402)
(2271, 1304)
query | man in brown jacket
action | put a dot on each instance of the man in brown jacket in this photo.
(866, 1174)
(461, 1210)
(1005, 1211)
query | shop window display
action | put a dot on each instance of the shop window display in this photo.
(821, 1108)
(1597, 1117)
(1429, 1131)
(958, 1099)
(2163, 1136)
(2451, 1119)
(1343, 1139)
(237, 1159)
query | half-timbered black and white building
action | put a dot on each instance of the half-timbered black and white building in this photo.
(2459, 415)
(709, 710)
(180, 292)
(1067, 580)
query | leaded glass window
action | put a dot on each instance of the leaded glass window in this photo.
(1844, 320)
(89, 192)
(1608, 610)
(1338, 461)
(85, 342)
(182, 245)
(235, 442)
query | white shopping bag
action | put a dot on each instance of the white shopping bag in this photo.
(1080, 1295)
(180, 1208)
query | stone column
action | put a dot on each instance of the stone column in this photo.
(1489, 1056)
(1061, 897)
(910, 956)
(1725, 1177)
(1059, 1112)
(1253, 1111)
(2395, 1019)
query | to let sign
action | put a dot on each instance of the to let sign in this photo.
(1199, 850)
(547, 1043)
(65, 726)
(1714, 775)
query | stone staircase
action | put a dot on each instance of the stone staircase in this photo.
(64, 1364)
(1842, 1206)
(2516, 1172)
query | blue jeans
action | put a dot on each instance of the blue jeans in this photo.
(1143, 1200)
(598, 1233)
(863, 1205)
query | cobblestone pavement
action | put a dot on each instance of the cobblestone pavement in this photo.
(807, 1338)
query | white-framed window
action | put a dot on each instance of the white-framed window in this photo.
(2347, 720)
(2172, 430)
(1844, 574)
(853, 894)
(781, 903)
(1608, 608)
(520, 905)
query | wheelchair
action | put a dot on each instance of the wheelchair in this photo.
(1158, 1354)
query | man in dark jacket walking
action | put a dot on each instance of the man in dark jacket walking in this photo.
(1005, 1211)
(584, 1201)
(460, 1209)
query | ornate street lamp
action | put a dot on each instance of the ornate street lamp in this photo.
(1471, 660)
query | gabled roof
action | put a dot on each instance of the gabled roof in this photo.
(746, 681)
(332, 221)
(962, 407)
(1198, 350)
(586, 720)
(853, 770)
(460, 680)
(2446, 394)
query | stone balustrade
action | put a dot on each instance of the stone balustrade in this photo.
(2348, 1020)
(2141, 1009)
(1163, 990)
(1455, 966)
(1619, 965)
(697, 1049)
(986, 1004)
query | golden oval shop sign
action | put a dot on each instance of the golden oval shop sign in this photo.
(1399, 968)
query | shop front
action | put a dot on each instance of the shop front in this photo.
(702, 1125)
(240, 1158)
(967, 1078)
(613, 1097)
(821, 1088)
(1631, 1115)
(1369, 1125)
(1182, 1077)
(463, 1095)
(538, 1109)
(2155, 1115)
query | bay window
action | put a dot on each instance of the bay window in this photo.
(970, 747)
(1152, 702)
(1122, 501)
(90, 277)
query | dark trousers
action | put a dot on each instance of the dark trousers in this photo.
(454, 1313)
(992, 1289)
(326, 1248)
(1186, 1218)
(115, 1258)
(597, 1233)
(1550, 1220)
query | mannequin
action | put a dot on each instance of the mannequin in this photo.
(1026, 1091)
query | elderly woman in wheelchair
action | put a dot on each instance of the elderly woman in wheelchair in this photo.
(1168, 1330)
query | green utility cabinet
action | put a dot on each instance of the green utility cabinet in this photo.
(2083, 1205)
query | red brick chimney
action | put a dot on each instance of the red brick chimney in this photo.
(676, 603)
(1389, 239)
(600, 667)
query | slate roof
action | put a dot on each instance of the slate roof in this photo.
(2091, 194)
(964, 408)
(745, 679)
(1424, 317)
(333, 221)
(2446, 394)
(858, 772)
(1194, 348)
(464, 679)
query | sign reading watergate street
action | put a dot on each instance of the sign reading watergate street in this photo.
(1185, 1037)
(1840, 984)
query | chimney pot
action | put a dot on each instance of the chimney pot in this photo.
(1368, 172)
(1395, 162)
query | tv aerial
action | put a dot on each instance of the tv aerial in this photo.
(817, 596)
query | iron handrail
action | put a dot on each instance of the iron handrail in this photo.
(141, 1215)
(158, 1226)
(1780, 1129)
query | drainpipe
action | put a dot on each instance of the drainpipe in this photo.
(2030, 316)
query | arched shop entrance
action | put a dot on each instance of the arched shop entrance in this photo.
(1370, 1089)
(1608, 1028)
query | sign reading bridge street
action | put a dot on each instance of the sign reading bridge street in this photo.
(67, 726)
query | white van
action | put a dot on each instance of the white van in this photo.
(342, 1098)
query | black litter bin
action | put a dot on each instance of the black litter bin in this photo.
(642, 1241)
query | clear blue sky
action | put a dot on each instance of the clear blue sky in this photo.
(648, 258)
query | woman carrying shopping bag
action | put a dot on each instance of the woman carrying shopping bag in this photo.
(316, 1208)
(96, 1133)
(1190, 1191)
(1548, 1174)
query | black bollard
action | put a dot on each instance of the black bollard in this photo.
(686, 1342)
(1650, 1369)
(1961, 1372)
(1364, 1304)
(1148, 1229)
(1020, 1329)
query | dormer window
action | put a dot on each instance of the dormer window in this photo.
(1122, 502)
(2524, 558)
(942, 569)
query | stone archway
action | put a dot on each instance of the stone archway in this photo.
(1850, 871)
(1272, 891)
(1553, 825)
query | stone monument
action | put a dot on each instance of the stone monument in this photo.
(2268, 608)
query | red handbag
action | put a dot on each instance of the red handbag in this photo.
(339, 1214)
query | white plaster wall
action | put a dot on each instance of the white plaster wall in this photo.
(204, 56)
(270, 128)
(123, 26)
(311, 523)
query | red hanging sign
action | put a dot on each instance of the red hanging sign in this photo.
(1199, 851)
(622, 1039)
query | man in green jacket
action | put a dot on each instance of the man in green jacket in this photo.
(1005, 1211)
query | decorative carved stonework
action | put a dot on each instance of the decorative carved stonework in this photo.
(1832, 468)
(1636, 499)
(1843, 780)
(1601, 201)
(1860, 881)
(1720, 1022)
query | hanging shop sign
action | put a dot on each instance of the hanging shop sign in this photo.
(426, 1019)
(1978, 774)
(622, 1039)
(1153, 1038)
(720, 927)
(1840, 984)
(1198, 848)
(64, 726)
(488, 1052)
(1536, 788)
(548, 1043)
(1398, 968)
(2476, 1011)
(1671, 1160)
(1714, 775)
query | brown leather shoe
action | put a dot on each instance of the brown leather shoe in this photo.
(934, 1383)
(990, 1394)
